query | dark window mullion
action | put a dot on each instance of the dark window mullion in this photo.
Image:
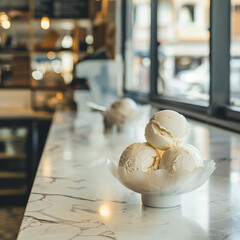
(153, 49)
(219, 56)
(128, 37)
(123, 40)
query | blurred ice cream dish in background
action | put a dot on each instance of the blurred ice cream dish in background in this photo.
(166, 129)
(140, 157)
(120, 112)
(185, 157)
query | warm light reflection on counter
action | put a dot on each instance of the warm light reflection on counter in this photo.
(235, 147)
(200, 208)
(235, 170)
(67, 154)
(201, 141)
(46, 168)
(235, 179)
(105, 211)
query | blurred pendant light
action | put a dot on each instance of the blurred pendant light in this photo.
(3, 16)
(45, 23)
(67, 41)
(6, 24)
(4, 20)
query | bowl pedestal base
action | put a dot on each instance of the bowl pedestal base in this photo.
(161, 201)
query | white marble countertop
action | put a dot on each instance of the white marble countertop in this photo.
(74, 195)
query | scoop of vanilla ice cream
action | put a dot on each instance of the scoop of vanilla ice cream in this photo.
(140, 157)
(120, 111)
(181, 157)
(166, 129)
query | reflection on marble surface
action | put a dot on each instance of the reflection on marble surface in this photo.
(75, 196)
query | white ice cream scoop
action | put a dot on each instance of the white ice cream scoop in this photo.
(185, 157)
(140, 157)
(166, 129)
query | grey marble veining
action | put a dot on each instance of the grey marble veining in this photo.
(74, 196)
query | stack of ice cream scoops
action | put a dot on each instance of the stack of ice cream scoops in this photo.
(164, 167)
(164, 148)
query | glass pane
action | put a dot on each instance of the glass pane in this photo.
(138, 46)
(183, 52)
(235, 54)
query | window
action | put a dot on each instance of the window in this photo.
(183, 52)
(191, 57)
(138, 46)
(235, 54)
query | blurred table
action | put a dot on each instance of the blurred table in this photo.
(74, 195)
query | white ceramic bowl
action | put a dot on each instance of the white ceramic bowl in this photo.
(159, 188)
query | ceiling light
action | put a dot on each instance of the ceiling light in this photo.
(89, 39)
(67, 41)
(37, 75)
(6, 24)
(45, 23)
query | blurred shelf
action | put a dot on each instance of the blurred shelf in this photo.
(17, 53)
(43, 51)
(38, 88)
(16, 87)
(60, 19)
(20, 19)
(23, 114)
(7, 175)
(17, 191)
(50, 88)
(58, 51)
(4, 156)
(11, 138)
(6, 8)
(28, 34)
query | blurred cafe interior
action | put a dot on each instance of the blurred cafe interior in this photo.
(65, 61)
